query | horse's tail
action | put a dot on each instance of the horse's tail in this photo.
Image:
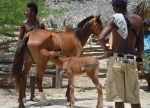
(89, 66)
(18, 62)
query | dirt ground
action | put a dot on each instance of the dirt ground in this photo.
(85, 93)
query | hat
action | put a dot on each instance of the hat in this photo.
(146, 21)
(118, 3)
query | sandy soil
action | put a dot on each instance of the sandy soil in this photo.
(85, 93)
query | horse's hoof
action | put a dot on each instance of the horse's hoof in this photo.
(68, 99)
(45, 103)
(71, 106)
(21, 105)
(48, 104)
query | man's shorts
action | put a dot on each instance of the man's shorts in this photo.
(146, 63)
(121, 83)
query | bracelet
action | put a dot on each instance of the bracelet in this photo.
(139, 60)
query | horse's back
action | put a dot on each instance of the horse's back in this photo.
(84, 60)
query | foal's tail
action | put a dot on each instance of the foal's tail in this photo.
(89, 66)
(16, 72)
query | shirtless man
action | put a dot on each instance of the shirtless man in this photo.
(28, 25)
(121, 83)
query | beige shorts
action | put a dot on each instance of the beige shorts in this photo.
(121, 83)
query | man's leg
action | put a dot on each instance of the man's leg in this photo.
(135, 105)
(148, 80)
(119, 105)
(32, 85)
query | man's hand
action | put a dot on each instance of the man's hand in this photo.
(107, 52)
(139, 66)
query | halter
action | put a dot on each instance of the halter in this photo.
(96, 27)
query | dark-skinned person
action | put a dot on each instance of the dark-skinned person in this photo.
(146, 54)
(27, 25)
(125, 55)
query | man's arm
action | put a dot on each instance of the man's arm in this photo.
(140, 43)
(22, 32)
(42, 25)
(107, 29)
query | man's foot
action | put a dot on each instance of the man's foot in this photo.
(24, 100)
(147, 90)
(34, 99)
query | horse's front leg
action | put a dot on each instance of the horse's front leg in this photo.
(39, 78)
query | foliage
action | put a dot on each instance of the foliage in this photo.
(12, 12)
(142, 8)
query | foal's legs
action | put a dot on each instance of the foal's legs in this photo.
(78, 53)
(71, 83)
(94, 77)
(41, 70)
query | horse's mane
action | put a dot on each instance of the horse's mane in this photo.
(83, 22)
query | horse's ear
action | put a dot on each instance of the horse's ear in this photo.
(98, 16)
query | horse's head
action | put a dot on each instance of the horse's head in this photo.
(88, 26)
(96, 25)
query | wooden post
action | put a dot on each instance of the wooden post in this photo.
(58, 78)
(53, 82)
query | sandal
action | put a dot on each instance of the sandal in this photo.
(24, 100)
(34, 99)
(147, 90)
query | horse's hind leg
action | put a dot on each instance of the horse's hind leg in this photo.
(94, 77)
(27, 65)
(41, 70)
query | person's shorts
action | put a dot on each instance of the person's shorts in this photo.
(121, 83)
(146, 63)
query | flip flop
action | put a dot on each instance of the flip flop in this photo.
(108, 106)
(24, 100)
(148, 90)
(34, 99)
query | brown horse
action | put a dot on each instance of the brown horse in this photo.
(74, 66)
(28, 51)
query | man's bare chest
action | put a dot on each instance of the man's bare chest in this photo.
(31, 27)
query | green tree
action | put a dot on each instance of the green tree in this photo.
(12, 12)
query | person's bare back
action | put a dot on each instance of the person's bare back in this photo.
(127, 46)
